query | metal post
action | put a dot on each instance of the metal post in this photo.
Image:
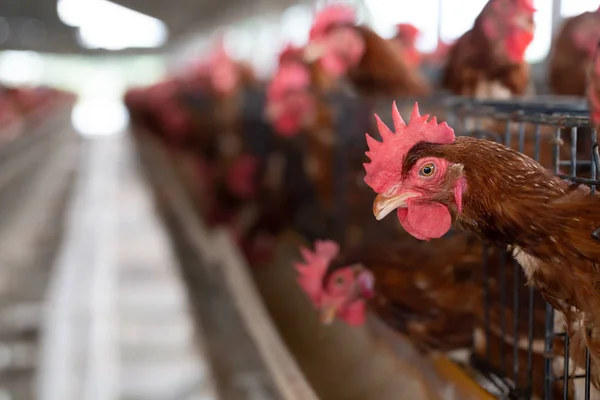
(556, 17)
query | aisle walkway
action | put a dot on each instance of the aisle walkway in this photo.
(117, 323)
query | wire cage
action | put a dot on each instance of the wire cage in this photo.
(555, 132)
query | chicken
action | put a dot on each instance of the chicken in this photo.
(572, 52)
(412, 286)
(570, 59)
(435, 180)
(488, 60)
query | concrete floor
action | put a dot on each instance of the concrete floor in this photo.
(118, 324)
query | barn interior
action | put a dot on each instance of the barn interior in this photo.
(190, 208)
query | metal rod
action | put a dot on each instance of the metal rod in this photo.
(587, 374)
(516, 271)
(574, 151)
(566, 371)
(507, 138)
(548, 339)
(503, 307)
(536, 148)
(530, 338)
(486, 302)
(557, 142)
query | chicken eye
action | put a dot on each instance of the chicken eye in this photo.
(339, 281)
(427, 170)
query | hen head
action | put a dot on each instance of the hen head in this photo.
(334, 41)
(290, 105)
(341, 293)
(419, 191)
(509, 24)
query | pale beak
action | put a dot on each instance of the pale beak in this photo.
(328, 314)
(384, 204)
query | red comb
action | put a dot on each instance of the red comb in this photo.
(314, 267)
(332, 15)
(408, 30)
(387, 156)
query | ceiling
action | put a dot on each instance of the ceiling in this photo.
(34, 24)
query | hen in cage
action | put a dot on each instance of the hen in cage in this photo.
(570, 59)
(427, 291)
(338, 46)
(488, 60)
(435, 180)
(572, 53)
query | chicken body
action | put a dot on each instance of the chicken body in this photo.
(427, 291)
(570, 60)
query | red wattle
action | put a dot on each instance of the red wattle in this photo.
(425, 221)
(353, 314)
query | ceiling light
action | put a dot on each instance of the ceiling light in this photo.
(20, 67)
(106, 25)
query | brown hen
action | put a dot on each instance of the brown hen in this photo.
(435, 180)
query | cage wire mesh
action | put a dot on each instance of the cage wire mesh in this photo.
(530, 356)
